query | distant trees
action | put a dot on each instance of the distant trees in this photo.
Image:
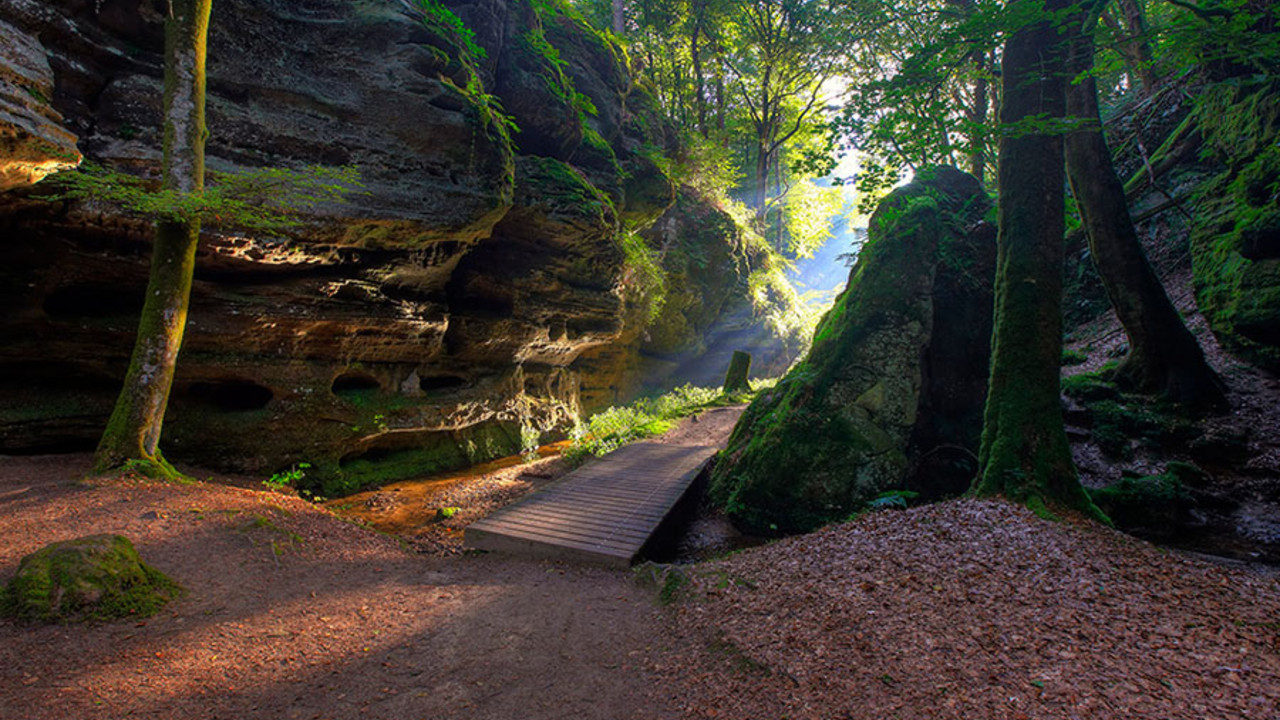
(923, 88)
(784, 51)
(746, 82)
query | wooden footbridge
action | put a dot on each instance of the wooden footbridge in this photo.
(601, 513)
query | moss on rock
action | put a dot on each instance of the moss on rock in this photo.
(846, 424)
(99, 577)
(1149, 506)
(1235, 239)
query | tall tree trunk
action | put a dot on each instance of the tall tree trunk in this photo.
(1025, 455)
(133, 432)
(978, 118)
(1164, 356)
(619, 17)
(695, 54)
(720, 102)
(761, 190)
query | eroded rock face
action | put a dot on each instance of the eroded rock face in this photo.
(1235, 238)
(897, 371)
(33, 141)
(438, 320)
(707, 312)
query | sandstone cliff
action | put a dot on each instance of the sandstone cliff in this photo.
(454, 311)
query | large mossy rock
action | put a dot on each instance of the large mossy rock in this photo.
(896, 377)
(99, 577)
(1235, 239)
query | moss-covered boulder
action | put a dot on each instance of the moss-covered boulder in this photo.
(1155, 506)
(896, 376)
(1235, 239)
(99, 577)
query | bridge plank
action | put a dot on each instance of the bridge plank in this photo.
(601, 513)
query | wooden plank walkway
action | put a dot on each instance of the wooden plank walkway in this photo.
(601, 513)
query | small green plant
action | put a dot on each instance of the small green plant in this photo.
(530, 438)
(443, 21)
(445, 513)
(892, 500)
(1072, 356)
(287, 478)
(643, 274)
(610, 429)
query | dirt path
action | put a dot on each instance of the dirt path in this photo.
(293, 613)
(964, 609)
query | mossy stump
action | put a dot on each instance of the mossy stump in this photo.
(98, 578)
(735, 380)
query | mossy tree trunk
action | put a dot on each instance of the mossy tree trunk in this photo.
(1025, 455)
(735, 380)
(133, 432)
(1164, 357)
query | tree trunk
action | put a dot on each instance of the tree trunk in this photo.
(133, 432)
(695, 54)
(1132, 45)
(619, 17)
(1025, 455)
(760, 193)
(720, 102)
(1164, 356)
(978, 118)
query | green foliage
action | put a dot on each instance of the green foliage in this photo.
(444, 22)
(286, 478)
(1119, 422)
(461, 46)
(558, 82)
(1150, 505)
(1236, 210)
(892, 500)
(445, 513)
(643, 274)
(262, 199)
(530, 437)
(563, 189)
(808, 213)
(488, 108)
(610, 429)
(155, 469)
(1071, 356)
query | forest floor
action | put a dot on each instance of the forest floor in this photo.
(293, 611)
(960, 609)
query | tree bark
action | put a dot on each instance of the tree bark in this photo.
(695, 55)
(133, 432)
(1164, 357)
(1025, 455)
(978, 112)
(619, 17)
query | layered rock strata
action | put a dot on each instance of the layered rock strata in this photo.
(437, 319)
